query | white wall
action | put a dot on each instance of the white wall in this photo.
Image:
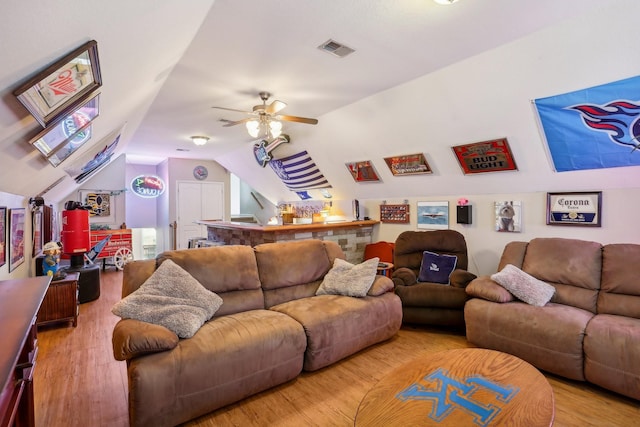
(141, 212)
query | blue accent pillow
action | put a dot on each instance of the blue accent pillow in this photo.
(436, 268)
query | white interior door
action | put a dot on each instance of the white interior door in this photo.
(197, 201)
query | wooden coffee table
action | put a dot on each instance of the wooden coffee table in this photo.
(465, 387)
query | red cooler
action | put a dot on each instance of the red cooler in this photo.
(75, 232)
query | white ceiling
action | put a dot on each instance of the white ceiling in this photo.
(166, 63)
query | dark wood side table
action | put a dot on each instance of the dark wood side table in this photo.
(60, 304)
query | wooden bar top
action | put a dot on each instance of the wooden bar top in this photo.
(290, 228)
(20, 300)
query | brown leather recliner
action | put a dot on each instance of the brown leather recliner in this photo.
(425, 302)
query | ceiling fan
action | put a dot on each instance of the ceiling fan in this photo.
(265, 118)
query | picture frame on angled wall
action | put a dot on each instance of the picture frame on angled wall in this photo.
(36, 232)
(433, 215)
(3, 235)
(16, 237)
(486, 156)
(363, 171)
(409, 164)
(575, 208)
(61, 87)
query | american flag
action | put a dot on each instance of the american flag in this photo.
(299, 172)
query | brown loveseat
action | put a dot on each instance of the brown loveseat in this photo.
(269, 327)
(590, 330)
(426, 302)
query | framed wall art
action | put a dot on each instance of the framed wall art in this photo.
(3, 235)
(508, 216)
(60, 140)
(16, 237)
(363, 171)
(61, 87)
(575, 208)
(433, 215)
(410, 164)
(394, 214)
(486, 156)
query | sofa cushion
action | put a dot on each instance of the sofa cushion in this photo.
(436, 268)
(349, 279)
(485, 288)
(133, 338)
(381, 285)
(524, 286)
(172, 298)
(612, 353)
(620, 291)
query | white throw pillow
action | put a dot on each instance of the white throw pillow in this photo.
(172, 298)
(348, 279)
(524, 286)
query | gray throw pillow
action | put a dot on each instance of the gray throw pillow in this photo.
(172, 298)
(348, 279)
(524, 286)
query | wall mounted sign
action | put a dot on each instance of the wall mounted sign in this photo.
(200, 173)
(363, 171)
(88, 166)
(486, 156)
(574, 208)
(148, 186)
(61, 88)
(262, 150)
(410, 164)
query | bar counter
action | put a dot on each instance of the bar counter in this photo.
(352, 236)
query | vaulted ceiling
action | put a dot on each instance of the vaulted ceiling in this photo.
(166, 63)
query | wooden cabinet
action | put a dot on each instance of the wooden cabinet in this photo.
(19, 303)
(61, 301)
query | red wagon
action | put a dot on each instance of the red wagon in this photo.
(118, 246)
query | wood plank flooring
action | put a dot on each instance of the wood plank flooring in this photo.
(79, 383)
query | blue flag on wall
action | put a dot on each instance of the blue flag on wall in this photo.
(593, 128)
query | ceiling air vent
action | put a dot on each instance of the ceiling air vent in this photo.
(335, 48)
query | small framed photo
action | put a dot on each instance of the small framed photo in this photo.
(16, 237)
(3, 235)
(508, 216)
(410, 164)
(60, 140)
(363, 171)
(59, 89)
(486, 156)
(433, 215)
(575, 208)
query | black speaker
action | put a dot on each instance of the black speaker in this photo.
(463, 214)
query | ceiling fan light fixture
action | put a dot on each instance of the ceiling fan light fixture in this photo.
(275, 128)
(253, 127)
(199, 139)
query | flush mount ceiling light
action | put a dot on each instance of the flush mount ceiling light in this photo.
(445, 1)
(199, 140)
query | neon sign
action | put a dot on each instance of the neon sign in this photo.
(147, 186)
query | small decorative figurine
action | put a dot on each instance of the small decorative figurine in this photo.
(51, 260)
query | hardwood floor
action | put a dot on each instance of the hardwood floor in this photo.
(79, 383)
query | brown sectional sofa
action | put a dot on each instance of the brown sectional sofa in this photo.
(270, 327)
(589, 331)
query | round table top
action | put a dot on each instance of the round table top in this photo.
(465, 387)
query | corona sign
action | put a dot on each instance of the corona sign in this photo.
(147, 186)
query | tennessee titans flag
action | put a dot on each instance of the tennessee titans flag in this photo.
(299, 172)
(593, 128)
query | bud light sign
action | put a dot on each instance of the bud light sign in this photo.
(148, 186)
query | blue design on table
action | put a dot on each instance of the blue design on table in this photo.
(448, 393)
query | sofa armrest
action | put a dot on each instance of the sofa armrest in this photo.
(404, 277)
(133, 338)
(381, 285)
(485, 288)
(461, 278)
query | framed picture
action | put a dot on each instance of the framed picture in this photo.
(16, 237)
(3, 235)
(363, 171)
(575, 208)
(36, 228)
(61, 139)
(394, 214)
(508, 216)
(433, 215)
(89, 164)
(410, 164)
(61, 87)
(486, 156)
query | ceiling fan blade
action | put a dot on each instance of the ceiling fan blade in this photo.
(297, 119)
(229, 123)
(275, 106)
(233, 109)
